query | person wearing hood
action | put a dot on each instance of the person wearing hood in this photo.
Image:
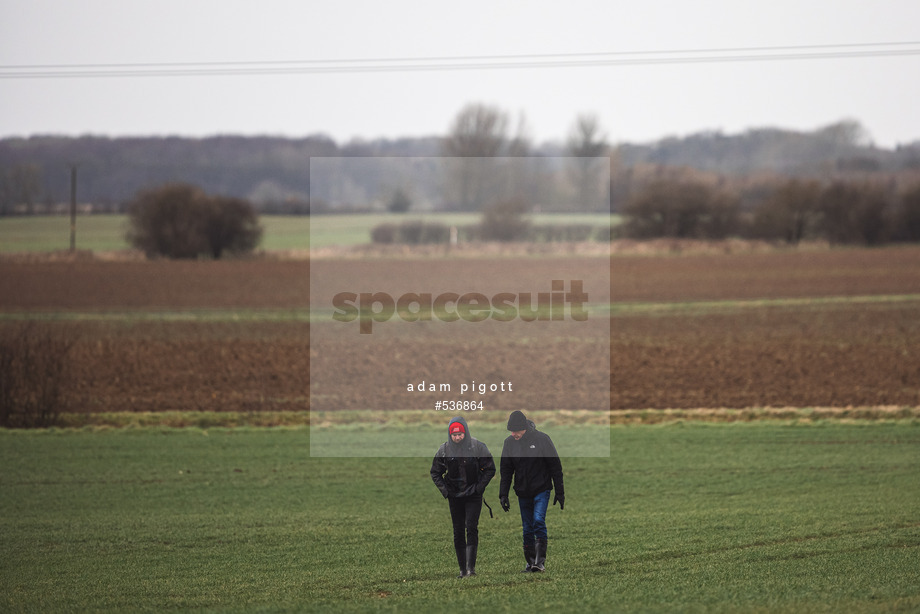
(530, 458)
(461, 469)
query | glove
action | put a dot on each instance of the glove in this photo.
(561, 500)
(504, 503)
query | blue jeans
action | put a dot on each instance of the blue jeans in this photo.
(533, 516)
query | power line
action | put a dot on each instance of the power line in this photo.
(446, 63)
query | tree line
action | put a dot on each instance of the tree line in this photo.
(855, 212)
(274, 173)
(197, 196)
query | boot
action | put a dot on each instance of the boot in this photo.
(530, 556)
(461, 560)
(471, 559)
(540, 559)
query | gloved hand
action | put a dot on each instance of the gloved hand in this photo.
(561, 500)
(504, 503)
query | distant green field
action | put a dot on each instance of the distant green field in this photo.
(107, 232)
(759, 517)
(51, 233)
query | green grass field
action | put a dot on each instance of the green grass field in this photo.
(686, 517)
(52, 233)
(106, 232)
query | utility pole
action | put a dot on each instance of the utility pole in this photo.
(73, 207)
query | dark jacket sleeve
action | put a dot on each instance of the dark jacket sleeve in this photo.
(554, 467)
(506, 471)
(486, 468)
(438, 469)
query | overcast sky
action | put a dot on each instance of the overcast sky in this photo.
(401, 84)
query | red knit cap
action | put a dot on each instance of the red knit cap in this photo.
(457, 427)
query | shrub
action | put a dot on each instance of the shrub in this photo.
(34, 373)
(413, 232)
(551, 233)
(181, 221)
(231, 224)
(505, 221)
(384, 233)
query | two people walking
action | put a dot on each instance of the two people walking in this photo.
(463, 467)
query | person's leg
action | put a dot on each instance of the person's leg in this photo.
(526, 505)
(473, 510)
(541, 503)
(458, 519)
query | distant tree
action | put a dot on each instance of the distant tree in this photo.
(400, 202)
(790, 213)
(681, 209)
(6, 193)
(519, 144)
(721, 217)
(25, 186)
(231, 225)
(845, 133)
(181, 221)
(587, 144)
(908, 215)
(855, 213)
(479, 132)
(166, 221)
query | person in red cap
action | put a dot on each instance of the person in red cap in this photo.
(461, 469)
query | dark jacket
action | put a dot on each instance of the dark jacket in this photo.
(533, 463)
(464, 469)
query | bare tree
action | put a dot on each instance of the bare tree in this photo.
(25, 186)
(681, 209)
(855, 213)
(6, 192)
(846, 133)
(790, 213)
(478, 133)
(908, 214)
(587, 144)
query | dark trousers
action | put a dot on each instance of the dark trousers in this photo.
(464, 515)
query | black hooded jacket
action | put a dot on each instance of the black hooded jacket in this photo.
(464, 469)
(533, 463)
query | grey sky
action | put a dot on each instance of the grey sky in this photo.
(636, 103)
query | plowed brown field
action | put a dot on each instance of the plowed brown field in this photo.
(740, 330)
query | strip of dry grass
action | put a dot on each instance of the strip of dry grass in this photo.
(404, 419)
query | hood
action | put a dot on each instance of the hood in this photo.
(468, 440)
(461, 420)
(531, 428)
